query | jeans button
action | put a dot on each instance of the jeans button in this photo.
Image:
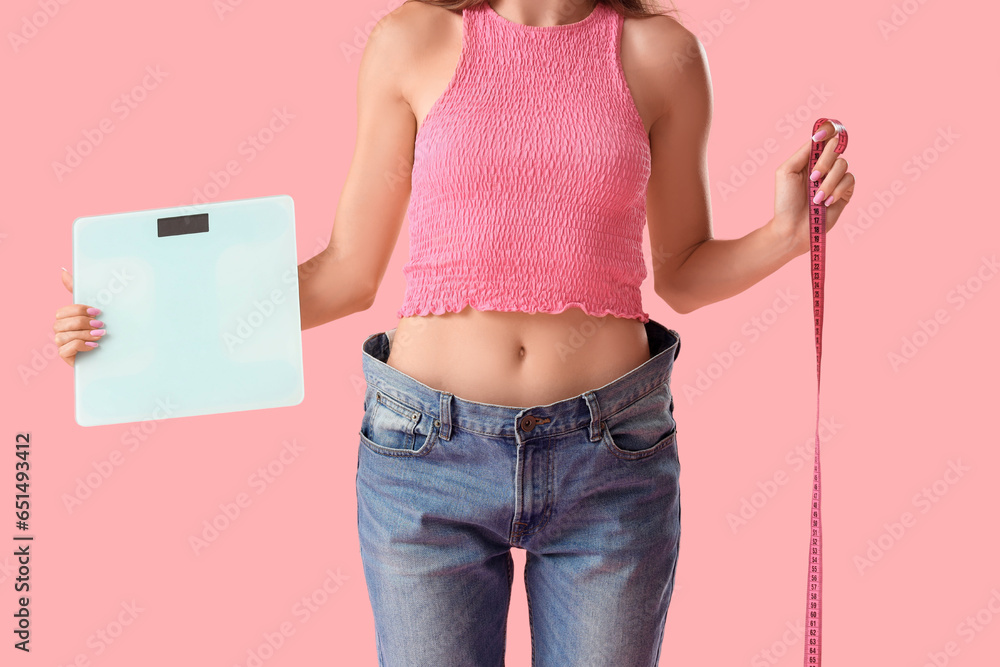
(528, 423)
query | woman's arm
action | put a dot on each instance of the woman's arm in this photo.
(691, 268)
(344, 278)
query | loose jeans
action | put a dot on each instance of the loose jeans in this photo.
(587, 486)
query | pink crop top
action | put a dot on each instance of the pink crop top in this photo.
(529, 175)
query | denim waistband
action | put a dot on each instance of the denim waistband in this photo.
(586, 410)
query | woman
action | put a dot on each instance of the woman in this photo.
(523, 399)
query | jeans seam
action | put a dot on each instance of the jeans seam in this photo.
(638, 398)
(381, 450)
(635, 455)
(549, 497)
(510, 583)
(527, 594)
(390, 402)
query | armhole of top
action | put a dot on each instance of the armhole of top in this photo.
(617, 32)
(455, 76)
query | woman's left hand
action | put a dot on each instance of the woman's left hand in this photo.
(791, 191)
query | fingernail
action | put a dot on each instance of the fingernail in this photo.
(828, 201)
(819, 135)
(813, 176)
(93, 311)
(96, 323)
(98, 332)
(818, 198)
(64, 269)
(91, 344)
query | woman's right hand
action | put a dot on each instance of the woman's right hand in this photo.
(77, 327)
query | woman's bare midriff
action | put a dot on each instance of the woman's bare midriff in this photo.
(509, 358)
(517, 359)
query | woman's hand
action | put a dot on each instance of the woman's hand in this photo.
(76, 328)
(791, 189)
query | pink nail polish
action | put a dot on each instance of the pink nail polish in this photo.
(818, 198)
(97, 332)
(819, 135)
(93, 311)
(91, 344)
(813, 176)
(828, 201)
(96, 323)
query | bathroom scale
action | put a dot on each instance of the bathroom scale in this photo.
(201, 307)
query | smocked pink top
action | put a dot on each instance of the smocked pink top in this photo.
(529, 175)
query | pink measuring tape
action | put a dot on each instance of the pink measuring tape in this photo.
(817, 250)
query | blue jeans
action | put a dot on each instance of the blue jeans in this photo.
(587, 486)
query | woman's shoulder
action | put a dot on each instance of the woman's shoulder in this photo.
(415, 25)
(664, 62)
(407, 36)
(658, 40)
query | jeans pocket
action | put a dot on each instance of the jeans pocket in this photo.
(644, 427)
(393, 427)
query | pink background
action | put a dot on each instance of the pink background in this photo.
(912, 235)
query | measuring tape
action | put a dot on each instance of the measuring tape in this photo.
(817, 251)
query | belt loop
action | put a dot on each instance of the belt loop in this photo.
(595, 415)
(445, 418)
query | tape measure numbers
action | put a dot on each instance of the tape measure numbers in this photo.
(817, 251)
